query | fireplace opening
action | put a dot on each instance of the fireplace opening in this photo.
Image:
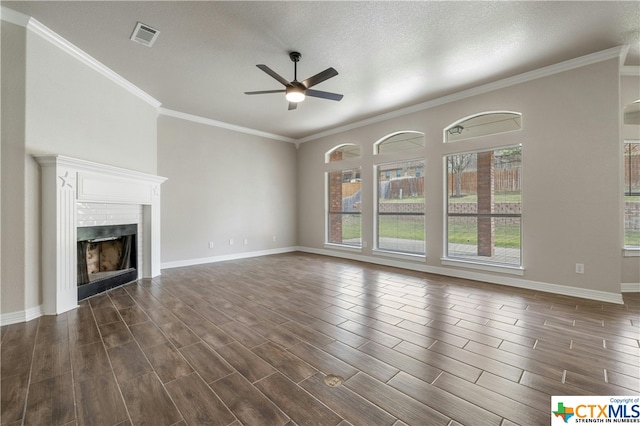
(107, 258)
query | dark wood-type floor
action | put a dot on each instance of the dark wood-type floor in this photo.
(250, 342)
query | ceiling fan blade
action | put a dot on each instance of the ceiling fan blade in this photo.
(323, 95)
(262, 92)
(273, 74)
(293, 105)
(320, 77)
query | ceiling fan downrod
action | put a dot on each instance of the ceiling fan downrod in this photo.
(295, 57)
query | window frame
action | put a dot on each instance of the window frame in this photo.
(445, 131)
(492, 266)
(381, 141)
(327, 215)
(376, 213)
(327, 155)
(628, 250)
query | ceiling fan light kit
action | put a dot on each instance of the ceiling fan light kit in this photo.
(295, 94)
(296, 91)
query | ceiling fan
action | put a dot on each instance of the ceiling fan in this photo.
(295, 91)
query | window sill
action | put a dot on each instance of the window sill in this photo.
(631, 252)
(343, 247)
(504, 269)
(398, 255)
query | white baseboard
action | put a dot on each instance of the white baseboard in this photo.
(584, 293)
(21, 316)
(630, 287)
(225, 257)
(38, 311)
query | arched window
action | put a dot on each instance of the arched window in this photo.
(484, 124)
(483, 190)
(342, 152)
(399, 141)
(632, 113)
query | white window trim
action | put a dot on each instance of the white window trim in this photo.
(483, 266)
(469, 263)
(398, 254)
(462, 120)
(631, 252)
(376, 144)
(627, 251)
(328, 244)
(344, 247)
(327, 155)
(376, 249)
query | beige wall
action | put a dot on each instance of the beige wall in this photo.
(73, 110)
(67, 108)
(571, 168)
(223, 185)
(12, 261)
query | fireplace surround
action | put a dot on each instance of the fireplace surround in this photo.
(66, 184)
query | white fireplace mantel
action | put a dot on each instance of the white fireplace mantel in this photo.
(67, 181)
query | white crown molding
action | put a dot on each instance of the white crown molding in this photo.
(511, 281)
(630, 71)
(223, 125)
(622, 57)
(32, 24)
(10, 15)
(45, 33)
(614, 52)
(74, 51)
(225, 257)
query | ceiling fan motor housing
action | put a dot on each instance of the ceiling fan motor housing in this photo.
(295, 56)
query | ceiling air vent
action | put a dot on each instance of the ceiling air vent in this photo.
(144, 34)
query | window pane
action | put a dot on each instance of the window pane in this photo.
(401, 207)
(342, 152)
(484, 206)
(400, 142)
(401, 233)
(343, 218)
(483, 125)
(632, 194)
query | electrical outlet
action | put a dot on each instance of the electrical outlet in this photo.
(230, 241)
(246, 241)
(211, 245)
(274, 239)
(579, 268)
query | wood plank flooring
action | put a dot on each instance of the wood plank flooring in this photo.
(249, 342)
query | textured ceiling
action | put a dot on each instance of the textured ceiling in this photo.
(389, 55)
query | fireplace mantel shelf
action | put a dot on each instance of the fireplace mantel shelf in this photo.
(67, 181)
(90, 166)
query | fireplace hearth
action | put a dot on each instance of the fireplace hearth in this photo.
(106, 258)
